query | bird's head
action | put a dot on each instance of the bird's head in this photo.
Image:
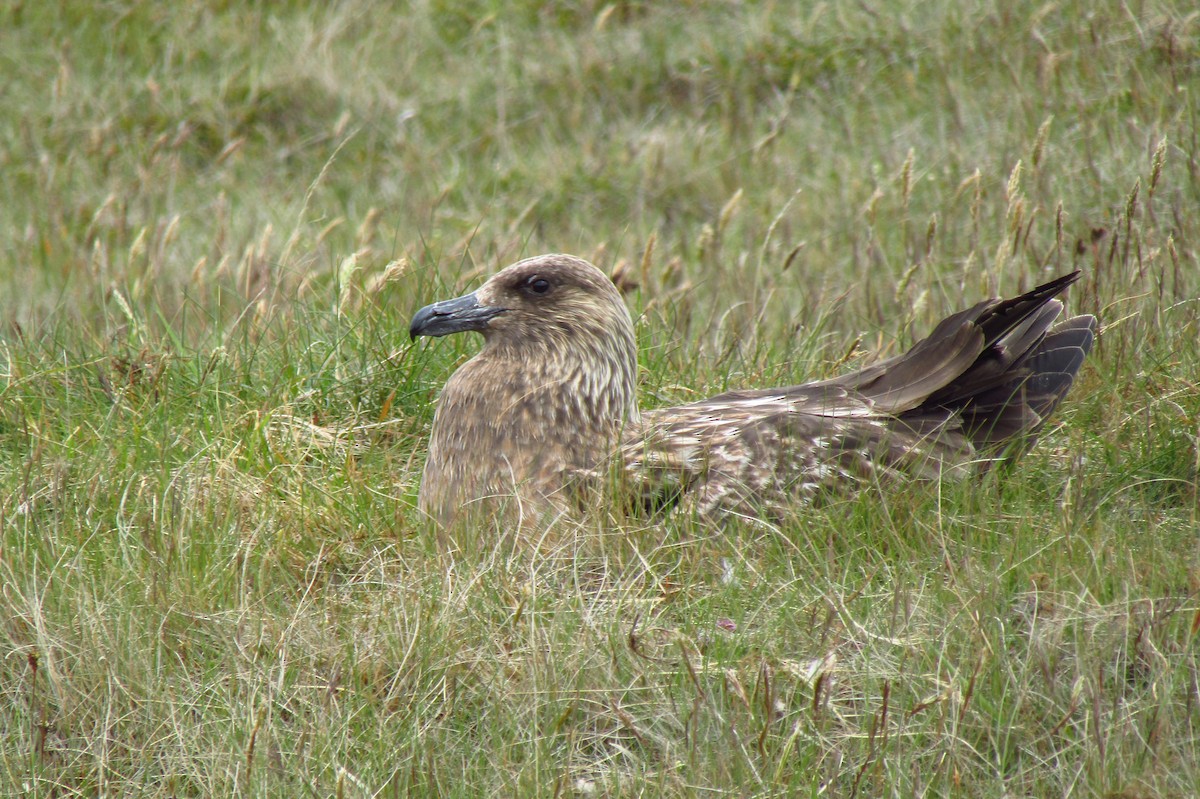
(547, 305)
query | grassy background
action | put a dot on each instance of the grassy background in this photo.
(219, 217)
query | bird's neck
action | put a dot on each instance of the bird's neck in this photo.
(590, 386)
(524, 424)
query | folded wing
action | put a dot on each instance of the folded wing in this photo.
(980, 386)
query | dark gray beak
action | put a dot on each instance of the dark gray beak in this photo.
(452, 316)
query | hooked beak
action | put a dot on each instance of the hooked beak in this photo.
(452, 316)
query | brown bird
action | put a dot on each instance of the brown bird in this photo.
(548, 408)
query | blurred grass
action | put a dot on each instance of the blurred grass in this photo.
(220, 217)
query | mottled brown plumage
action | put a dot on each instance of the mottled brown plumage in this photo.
(549, 405)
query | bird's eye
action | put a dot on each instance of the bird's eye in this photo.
(538, 285)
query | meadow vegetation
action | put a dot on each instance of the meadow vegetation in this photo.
(218, 218)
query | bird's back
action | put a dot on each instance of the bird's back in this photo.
(981, 385)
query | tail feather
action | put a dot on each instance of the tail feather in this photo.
(1006, 315)
(968, 352)
(1019, 406)
(1013, 378)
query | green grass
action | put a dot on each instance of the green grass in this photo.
(219, 217)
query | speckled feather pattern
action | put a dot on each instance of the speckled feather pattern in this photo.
(549, 405)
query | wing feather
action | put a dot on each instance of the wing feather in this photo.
(985, 379)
